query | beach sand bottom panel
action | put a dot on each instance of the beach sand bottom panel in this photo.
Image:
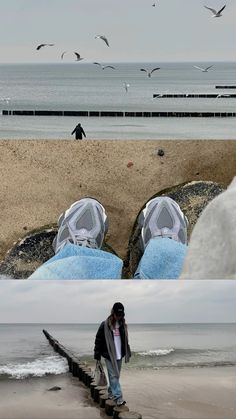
(40, 179)
(187, 394)
(203, 393)
(30, 399)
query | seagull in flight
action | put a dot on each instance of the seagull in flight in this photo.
(78, 57)
(126, 86)
(149, 73)
(103, 38)
(215, 13)
(62, 55)
(204, 70)
(105, 66)
(44, 45)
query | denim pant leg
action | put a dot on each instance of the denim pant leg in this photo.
(76, 262)
(114, 384)
(163, 258)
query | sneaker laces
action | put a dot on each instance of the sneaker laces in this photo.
(165, 233)
(84, 241)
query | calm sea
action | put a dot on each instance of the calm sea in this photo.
(25, 352)
(85, 86)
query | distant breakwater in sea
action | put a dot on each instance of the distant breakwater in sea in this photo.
(122, 114)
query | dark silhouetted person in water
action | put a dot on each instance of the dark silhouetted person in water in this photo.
(79, 132)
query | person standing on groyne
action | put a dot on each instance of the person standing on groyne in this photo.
(79, 132)
(111, 342)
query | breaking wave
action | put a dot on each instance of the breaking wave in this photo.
(53, 365)
(156, 352)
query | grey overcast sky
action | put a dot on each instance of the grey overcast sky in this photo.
(144, 301)
(174, 30)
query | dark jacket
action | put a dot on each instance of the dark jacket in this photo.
(100, 348)
(79, 132)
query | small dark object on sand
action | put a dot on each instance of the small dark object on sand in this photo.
(161, 152)
(55, 388)
(130, 164)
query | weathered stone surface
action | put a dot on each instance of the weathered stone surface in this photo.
(192, 198)
(30, 252)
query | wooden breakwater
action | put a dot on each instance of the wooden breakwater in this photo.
(85, 374)
(195, 95)
(121, 114)
(226, 87)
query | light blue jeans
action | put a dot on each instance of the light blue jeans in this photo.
(114, 389)
(162, 259)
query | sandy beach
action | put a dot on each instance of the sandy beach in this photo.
(184, 393)
(30, 399)
(40, 179)
(187, 394)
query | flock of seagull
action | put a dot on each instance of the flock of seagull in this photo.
(78, 57)
(215, 13)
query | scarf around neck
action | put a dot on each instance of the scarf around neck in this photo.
(111, 345)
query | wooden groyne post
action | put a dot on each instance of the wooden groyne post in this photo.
(98, 393)
(76, 367)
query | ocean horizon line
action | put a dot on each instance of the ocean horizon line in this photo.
(130, 323)
(120, 62)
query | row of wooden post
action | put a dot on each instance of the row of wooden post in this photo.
(129, 114)
(84, 373)
(195, 95)
(226, 86)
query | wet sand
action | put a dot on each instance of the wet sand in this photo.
(187, 394)
(204, 393)
(30, 399)
(40, 179)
